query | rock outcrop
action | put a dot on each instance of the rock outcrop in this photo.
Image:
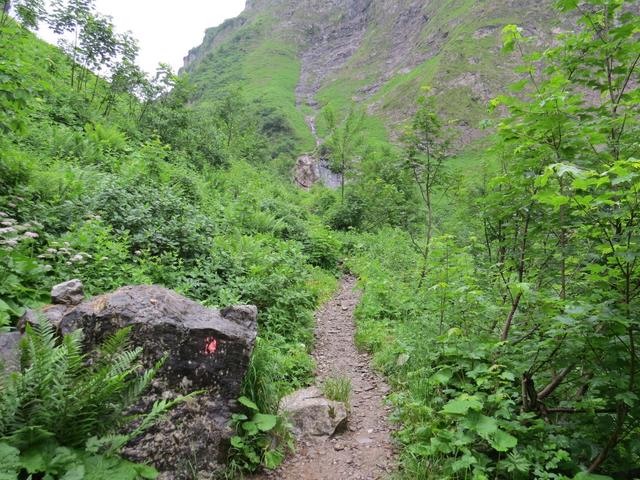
(312, 415)
(204, 349)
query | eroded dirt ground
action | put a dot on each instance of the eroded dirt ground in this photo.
(365, 450)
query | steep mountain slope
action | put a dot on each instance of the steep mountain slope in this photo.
(378, 54)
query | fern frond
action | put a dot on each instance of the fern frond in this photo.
(58, 393)
(116, 343)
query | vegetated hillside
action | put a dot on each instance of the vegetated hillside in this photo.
(501, 302)
(105, 183)
(376, 54)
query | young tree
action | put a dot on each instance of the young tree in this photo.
(344, 141)
(71, 16)
(564, 214)
(425, 156)
(127, 78)
(98, 47)
(28, 12)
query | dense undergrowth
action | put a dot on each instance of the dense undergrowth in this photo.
(114, 187)
(500, 285)
(507, 322)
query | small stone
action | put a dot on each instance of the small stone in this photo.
(68, 293)
(364, 440)
(312, 415)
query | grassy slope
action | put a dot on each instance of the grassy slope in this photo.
(464, 71)
(262, 66)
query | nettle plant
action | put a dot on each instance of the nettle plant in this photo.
(561, 221)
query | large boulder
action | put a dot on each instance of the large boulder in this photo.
(312, 415)
(205, 349)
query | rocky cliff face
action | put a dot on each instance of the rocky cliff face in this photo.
(376, 53)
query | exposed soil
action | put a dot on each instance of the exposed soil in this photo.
(365, 450)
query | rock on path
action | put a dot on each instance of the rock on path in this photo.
(365, 450)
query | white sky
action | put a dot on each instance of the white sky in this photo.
(166, 29)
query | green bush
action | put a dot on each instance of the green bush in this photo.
(155, 217)
(322, 248)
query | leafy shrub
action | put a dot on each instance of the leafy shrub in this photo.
(20, 279)
(92, 253)
(155, 217)
(261, 439)
(322, 248)
(13, 171)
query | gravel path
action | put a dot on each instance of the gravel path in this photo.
(365, 450)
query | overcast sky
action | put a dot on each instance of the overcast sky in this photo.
(166, 29)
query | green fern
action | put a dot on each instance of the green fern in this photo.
(62, 394)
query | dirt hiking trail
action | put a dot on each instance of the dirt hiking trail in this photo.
(364, 450)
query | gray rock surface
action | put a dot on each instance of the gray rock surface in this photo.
(205, 350)
(68, 293)
(243, 315)
(9, 351)
(312, 415)
(54, 313)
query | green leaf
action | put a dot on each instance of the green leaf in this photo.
(237, 442)
(265, 422)
(464, 462)
(462, 404)
(9, 462)
(248, 403)
(75, 473)
(273, 459)
(481, 424)
(147, 472)
(250, 427)
(552, 199)
(33, 460)
(502, 441)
